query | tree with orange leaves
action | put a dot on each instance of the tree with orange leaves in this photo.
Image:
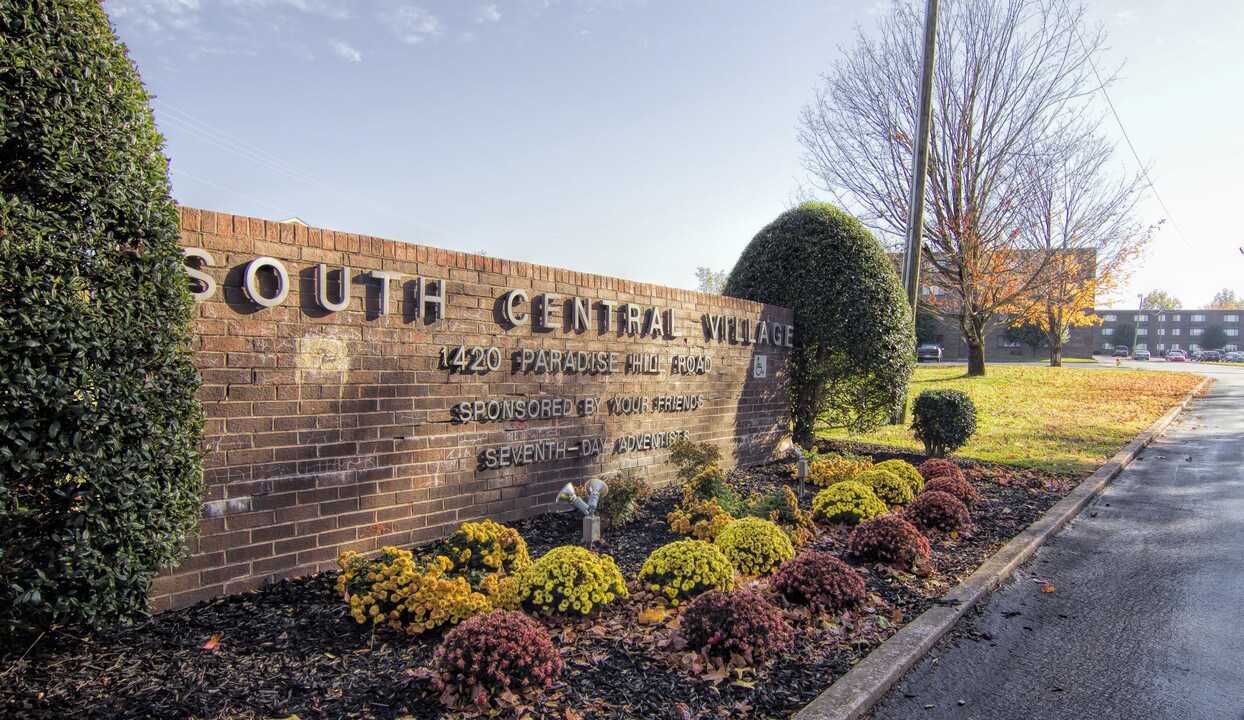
(1083, 217)
(1011, 80)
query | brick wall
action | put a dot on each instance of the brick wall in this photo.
(335, 430)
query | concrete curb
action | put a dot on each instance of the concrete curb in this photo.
(858, 690)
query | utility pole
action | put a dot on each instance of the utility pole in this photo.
(915, 211)
(915, 215)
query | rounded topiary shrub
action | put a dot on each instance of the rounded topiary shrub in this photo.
(495, 652)
(944, 420)
(569, 579)
(722, 623)
(819, 579)
(837, 469)
(888, 539)
(848, 503)
(890, 488)
(100, 476)
(938, 510)
(905, 470)
(852, 355)
(755, 546)
(686, 568)
(956, 486)
(939, 467)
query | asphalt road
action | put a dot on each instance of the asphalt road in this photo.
(1146, 617)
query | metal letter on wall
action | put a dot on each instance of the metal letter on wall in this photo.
(321, 288)
(209, 285)
(252, 281)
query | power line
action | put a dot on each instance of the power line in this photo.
(213, 135)
(235, 192)
(1144, 170)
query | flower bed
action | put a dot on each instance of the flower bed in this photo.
(293, 647)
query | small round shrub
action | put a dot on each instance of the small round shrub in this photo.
(890, 488)
(755, 546)
(626, 497)
(938, 510)
(944, 420)
(491, 653)
(958, 487)
(739, 622)
(837, 469)
(711, 484)
(819, 579)
(570, 579)
(395, 590)
(905, 470)
(782, 507)
(888, 539)
(686, 568)
(479, 548)
(939, 467)
(847, 502)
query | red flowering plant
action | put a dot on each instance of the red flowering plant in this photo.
(938, 510)
(956, 486)
(818, 579)
(938, 467)
(737, 626)
(888, 539)
(494, 656)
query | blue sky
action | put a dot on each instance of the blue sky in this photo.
(636, 139)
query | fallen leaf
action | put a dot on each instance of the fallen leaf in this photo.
(1047, 588)
(213, 643)
(652, 615)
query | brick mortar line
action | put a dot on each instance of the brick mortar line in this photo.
(860, 688)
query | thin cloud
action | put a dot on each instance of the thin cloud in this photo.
(412, 24)
(154, 15)
(344, 51)
(1126, 17)
(488, 13)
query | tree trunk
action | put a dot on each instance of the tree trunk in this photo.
(1056, 353)
(976, 358)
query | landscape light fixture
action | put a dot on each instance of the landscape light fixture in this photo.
(788, 446)
(596, 489)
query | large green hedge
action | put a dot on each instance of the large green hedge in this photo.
(854, 341)
(100, 473)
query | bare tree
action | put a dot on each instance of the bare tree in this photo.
(708, 280)
(1083, 216)
(1011, 80)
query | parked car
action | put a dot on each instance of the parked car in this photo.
(1120, 351)
(1196, 356)
(1211, 356)
(1175, 356)
(929, 351)
(1234, 356)
(1141, 355)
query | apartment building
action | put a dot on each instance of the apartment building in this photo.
(1159, 331)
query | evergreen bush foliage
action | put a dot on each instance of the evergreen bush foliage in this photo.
(852, 355)
(100, 476)
(944, 420)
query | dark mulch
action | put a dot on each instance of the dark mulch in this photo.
(291, 649)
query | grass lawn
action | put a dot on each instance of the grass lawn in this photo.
(1064, 420)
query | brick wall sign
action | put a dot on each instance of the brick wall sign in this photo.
(362, 392)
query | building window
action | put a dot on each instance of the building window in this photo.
(1175, 318)
(1109, 317)
(1175, 331)
(1231, 347)
(1142, 346)
(1107, 331)
(1175, 346)
(1107, 346)
(1161, 331)
(1004, 343)
(1198, 318)
(1196, 332)
(1161, 347)
(1142, 318)
(1233, 332)
(1230, 318)
(1194, 347)
(1142, 331)
(1162, 318)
